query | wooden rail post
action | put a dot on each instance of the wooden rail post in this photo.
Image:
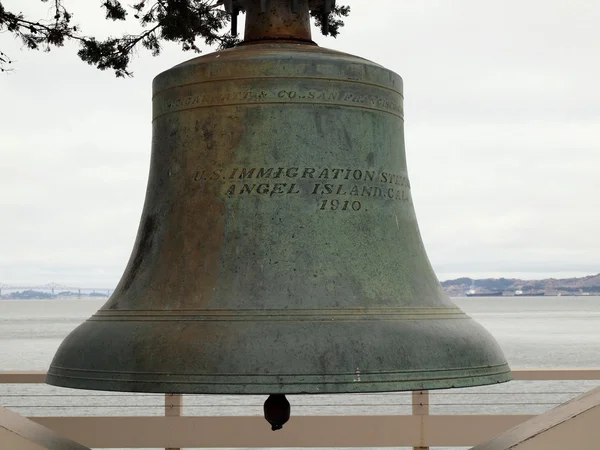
(173, 408)
(420, 407)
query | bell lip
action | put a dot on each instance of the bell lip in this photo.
(486, 376)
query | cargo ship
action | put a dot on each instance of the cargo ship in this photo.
(520, 293)
(484, 294)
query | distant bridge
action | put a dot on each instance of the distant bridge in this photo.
(53, 287)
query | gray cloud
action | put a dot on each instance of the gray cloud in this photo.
(502, 140)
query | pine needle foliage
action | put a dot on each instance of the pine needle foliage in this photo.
(186, 22)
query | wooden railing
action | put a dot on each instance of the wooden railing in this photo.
(174, 430)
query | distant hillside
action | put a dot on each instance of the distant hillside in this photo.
(27, 295)
(510, 286)
(38, 295)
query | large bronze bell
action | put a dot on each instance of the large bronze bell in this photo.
(278, 250)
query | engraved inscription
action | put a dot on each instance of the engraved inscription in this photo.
(334, 188)
(375, 98)
(214, 98)
(263, 189)
(309, 95)
(334, 205)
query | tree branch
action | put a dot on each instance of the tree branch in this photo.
(4, 62)
(180, 21)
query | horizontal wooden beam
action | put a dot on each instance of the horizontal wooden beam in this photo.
(300, 431)
(22, 377)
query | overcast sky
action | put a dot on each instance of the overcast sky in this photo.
(502, 105)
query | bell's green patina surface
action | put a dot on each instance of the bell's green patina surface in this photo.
(278, 250)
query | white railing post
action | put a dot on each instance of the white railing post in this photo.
(173, 408)
(420, 407)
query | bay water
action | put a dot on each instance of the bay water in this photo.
(534, 332)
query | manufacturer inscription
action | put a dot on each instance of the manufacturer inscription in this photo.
(335, 189)
(378, 99)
